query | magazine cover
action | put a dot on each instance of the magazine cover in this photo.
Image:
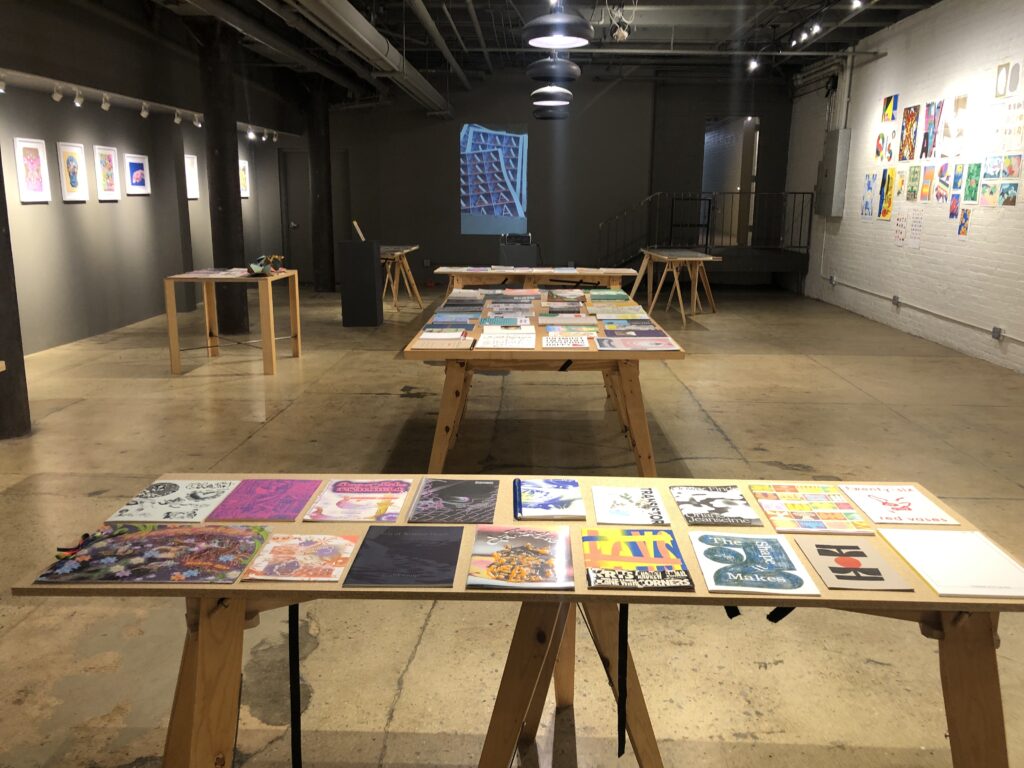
(175, 501)
(444, 500)
(897, 505)
(375, 501)
(720, 505)
(738, 562)
(622, 505)
(161, 554)
(809, 508)
(548, 499)
(406, 556)
(294, 557)
(265, 500)
(521, 558)
(634, 558)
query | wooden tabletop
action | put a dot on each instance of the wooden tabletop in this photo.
(545, 271)
(202, 275)
(3, 366)
(679, 254)
(538, 353)
(923, 598)
(397, 250)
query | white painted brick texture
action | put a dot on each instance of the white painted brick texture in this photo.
(952, 48)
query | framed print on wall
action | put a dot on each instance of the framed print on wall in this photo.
(136, 174)
(108, 173)
(191, 177)
(74, 178)
(33, 172)
(243, 177)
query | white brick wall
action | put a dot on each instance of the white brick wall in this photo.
(949, 49)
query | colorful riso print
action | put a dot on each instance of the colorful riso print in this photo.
(175, 501)
(265, 499)
(161, 554)
(971, 185)
(293, 557)
(908, 133)
(932, 118)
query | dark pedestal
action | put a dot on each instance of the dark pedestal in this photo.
(510, 255)
(360, 278)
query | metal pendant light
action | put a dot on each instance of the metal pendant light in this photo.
(558, 31)
(551, 113)
(554, 70)
(551, 96)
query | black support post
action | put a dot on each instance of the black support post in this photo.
(15, 420)
(319, 124)
(219, 51)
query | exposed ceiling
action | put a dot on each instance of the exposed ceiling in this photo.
(430, 48)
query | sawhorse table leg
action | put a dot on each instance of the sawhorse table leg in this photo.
(267, 333)
(173, 343)
(210, 315)
(449, 414)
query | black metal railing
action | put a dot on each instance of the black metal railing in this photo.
(771, 220)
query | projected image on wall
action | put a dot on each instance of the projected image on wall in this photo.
(492, 181)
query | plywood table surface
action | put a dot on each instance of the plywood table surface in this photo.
(619, 368)
(675, 259)
(208, 278)
(204, 717)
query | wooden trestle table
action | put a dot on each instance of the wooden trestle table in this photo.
(619, 368)
(395, 259)
(577, 277)
(204, 716)
(208, 278)
(674, 259)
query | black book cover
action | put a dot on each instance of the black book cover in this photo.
(442, 500)
(403, 556)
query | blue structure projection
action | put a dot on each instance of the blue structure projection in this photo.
(492, 181)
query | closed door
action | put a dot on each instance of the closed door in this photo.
(295, 212)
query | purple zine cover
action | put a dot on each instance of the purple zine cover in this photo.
(265, 500)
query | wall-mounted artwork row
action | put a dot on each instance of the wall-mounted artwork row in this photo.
(108, 174)
(136, 174)
(33, 172)
(74, 179)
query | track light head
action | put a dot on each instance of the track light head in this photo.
(816, 28)
(177, 117)
(274, 138)
(266, 135)
(197, 120)
(251, 134)
(57, 94)
(79, 98)
(803, 36)
(856, 4)
(752, 65)
(3, 83)
(144, 111)
(105, 103)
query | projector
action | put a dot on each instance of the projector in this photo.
(620, 30)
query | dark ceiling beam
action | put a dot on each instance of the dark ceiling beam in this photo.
(451, 23)
(421, 12)
(479, 35)
(255, 30)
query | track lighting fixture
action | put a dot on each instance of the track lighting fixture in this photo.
(856, 4)
(105, 103)
(803, 36)
(274, 139)
(251, 134)
(553, 69)
(551, 96)
(79, 98)
(816, 28)
(752, 65)
(177, 117)
(144, 111)
(197, 120)
(558, 30)
(265, 136)
(3, 83)
(57, 94)
(792, 43)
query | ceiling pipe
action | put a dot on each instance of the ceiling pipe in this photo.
(435, 34)
(344, 21)
(300, 24)
(253, 29)
(479, 35)
(592, 52)
(832, 28)
(455, 29)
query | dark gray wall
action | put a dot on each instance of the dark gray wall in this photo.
(199, 210)
(680, 118)
(85, 268)
(404, 166)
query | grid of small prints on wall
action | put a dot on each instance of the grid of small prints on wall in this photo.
(32, 167)
(957, 153)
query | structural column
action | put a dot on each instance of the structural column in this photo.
(322, 220)
(218, 53)
(14, 414)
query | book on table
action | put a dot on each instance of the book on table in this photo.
(128, 553)
(652, 333)
(406, 556)
(740, 562)
(466, 343)
(628, 505)
(809, 508)
(506, 341)
(174, 501)
(958, 563)
(521, 558)
(634, 558)
(569, 341)
(636, 345)
(449, 500)
(264, 500)
(371, 500)
(548, 499)
(897, 505)
(718, 505)
(300, 557)
(845, 563)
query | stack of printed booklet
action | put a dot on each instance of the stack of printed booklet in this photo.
(515, 318)
(756, 537)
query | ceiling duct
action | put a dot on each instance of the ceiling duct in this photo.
(341, 19)
(435, 34)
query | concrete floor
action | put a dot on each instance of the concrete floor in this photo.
(774, 386)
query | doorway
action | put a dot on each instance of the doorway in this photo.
(729, 175)
(296, 219)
